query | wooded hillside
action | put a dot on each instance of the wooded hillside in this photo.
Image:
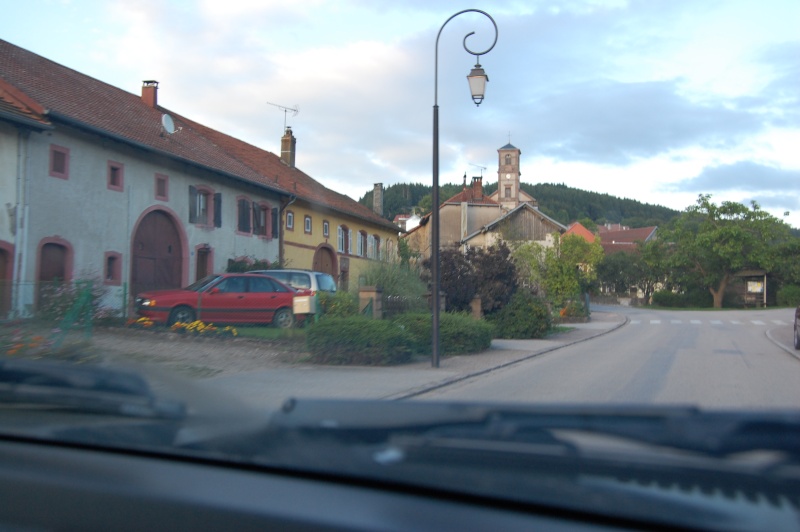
(563, 203)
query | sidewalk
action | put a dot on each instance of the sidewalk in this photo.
(269, 388)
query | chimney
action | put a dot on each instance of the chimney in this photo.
(477, 188)
(288, 143)
(377, 199)
(150, 92)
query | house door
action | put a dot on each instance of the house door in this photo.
(202, 269)
(52, 269)
(157, 254)
(5, 283)
(323, 261)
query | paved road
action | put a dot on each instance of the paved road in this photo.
(713, 359)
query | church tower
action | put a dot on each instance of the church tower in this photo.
(508, 192)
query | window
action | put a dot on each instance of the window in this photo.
(260, 219)
(59, 161)
(162, 187)
(243, 215)
(344, 237)
(112, 274)
(377, 247)
(205, 206)
(370, 247)
(290, 220)
(115, 176)
(361, 243)
(307, 225)
(508, 192)
(508, 158)
(326, 228)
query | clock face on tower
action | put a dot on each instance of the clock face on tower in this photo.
(508, 176)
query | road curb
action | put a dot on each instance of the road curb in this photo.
(793, 352)
(452, 380)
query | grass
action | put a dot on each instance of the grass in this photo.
(270, 333)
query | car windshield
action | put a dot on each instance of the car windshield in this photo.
(576, 284)
(202, 284)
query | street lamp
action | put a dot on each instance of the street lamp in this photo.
(477, 85)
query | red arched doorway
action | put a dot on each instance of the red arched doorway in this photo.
(157, 254)
(325, 261)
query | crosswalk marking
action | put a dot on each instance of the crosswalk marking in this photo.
(711, 322)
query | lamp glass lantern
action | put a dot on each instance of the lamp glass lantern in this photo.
(477, 83)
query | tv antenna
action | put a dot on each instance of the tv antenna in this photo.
(295, 110)
(478, 166)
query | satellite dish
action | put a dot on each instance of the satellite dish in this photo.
(168, 123)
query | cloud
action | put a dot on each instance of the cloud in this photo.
(741, 176)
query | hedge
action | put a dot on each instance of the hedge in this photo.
(458, 333)
(358, 340)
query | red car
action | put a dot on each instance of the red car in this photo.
(223, 298)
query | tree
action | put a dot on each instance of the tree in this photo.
(564, 270)
(711, 243)
(495, 276)
(457, 278)
(618, 271)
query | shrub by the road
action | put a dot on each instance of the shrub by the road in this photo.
(525, 316)
(458, 333)
(358, 340)
(789, 296)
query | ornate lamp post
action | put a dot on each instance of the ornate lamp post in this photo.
(477, 84)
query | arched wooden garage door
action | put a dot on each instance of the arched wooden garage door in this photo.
(156, 254)
(325, 262)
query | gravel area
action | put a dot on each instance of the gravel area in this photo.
(194, 357)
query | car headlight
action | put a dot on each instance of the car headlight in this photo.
(146, 302)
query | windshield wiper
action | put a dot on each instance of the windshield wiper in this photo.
(715, 434)
(87, 389)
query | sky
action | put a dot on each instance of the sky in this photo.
(654, 100)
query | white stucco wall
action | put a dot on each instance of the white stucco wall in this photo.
(8, 180)
(83, 211)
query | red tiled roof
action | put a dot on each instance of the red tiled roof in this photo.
(468, 195)
(67, 96)
(625, 240)
(577, 228)
(628, 236)
(16, 104)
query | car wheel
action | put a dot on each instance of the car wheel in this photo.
(182, 314)
(796, 335)
(283, 318)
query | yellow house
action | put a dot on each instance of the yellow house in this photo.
(326, 231)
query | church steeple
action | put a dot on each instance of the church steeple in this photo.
(508, 174)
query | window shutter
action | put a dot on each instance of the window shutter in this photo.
(244, 215)
(192, 205)
(218, 209)
(275, 224)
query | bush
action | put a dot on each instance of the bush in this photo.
(458, 333)
(79, 300)
(789, 296)
(340, 304)
(666, 298)
(358, 341)
(525, 316)
(694, 298)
